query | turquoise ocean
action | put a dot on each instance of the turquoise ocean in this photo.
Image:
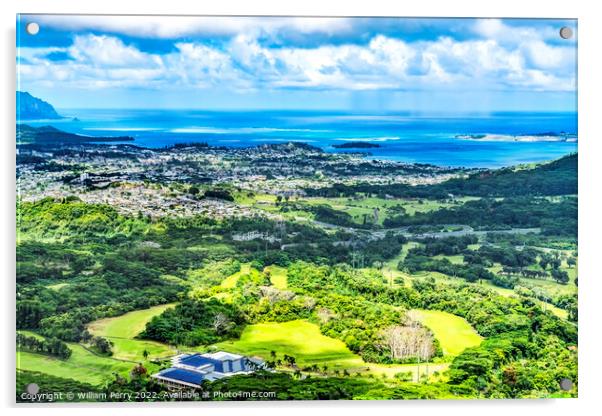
(405, 136)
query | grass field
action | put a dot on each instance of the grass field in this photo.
(366, 205)
(82, 366)
(457, 259)
(551, 287)
(500, 290)
(128, 325)
(304, 341)
(86, 366)
(390, 370)
(561, 313)
(57, 286)
(357, 208)
(441, 278)
(122, 330)
(277, 276)
(402, 255)
(546, 286)
(30, 334)
(299, 338)
(230, 281)
(453, 332)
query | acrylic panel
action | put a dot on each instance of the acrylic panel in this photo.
(295, 208)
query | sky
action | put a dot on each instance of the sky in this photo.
(312, 63)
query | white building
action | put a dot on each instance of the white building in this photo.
(190, 370)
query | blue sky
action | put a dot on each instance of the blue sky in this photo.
(349, 64)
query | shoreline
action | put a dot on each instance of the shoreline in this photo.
(526, 138)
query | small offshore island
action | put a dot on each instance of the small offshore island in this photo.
(537, 137)
(356, 145)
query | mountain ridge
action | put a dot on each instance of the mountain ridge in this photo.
(34, 108)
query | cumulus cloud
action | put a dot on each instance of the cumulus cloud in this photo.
(108, 51)
(503, 33)
(243, 62)
(172, 27)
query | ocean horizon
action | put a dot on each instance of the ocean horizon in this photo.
(401, 136)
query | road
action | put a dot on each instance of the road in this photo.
(379, 234)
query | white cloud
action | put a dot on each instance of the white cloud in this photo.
(244, 64)
(109, 51)
(490, 28)
(199, 66)
(542, 55)
(498, 30)
(171, 27)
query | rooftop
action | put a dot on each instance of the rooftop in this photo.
(200, 361)
(222, 355)
(191, 369)
(178, 374)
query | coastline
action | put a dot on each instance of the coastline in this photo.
(530, 138)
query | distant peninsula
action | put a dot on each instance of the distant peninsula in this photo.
(355, 145)
(50, 135)
(33, 108)
(535, 137)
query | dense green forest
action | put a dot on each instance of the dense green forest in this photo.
(558, 177)
(554, 218)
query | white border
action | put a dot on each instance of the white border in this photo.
(590, 160)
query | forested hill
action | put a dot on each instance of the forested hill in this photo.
(548, 179)
(32, 108)
(555, 178)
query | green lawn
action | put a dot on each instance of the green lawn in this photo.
(133, 349)
(82, 366)
(277, 276)
(366, 205)
(122, 330)
(453, 332)
(128, 325)
(299, 338)
(561, 313)
(267, 202)
(549, 286)
(86, 366)
(58, 286)
(230, 281)
(404, 252)
(30, 334)
(357, 208)
(546, 286)
(303, 340)
(501, 290)
(457, 259)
